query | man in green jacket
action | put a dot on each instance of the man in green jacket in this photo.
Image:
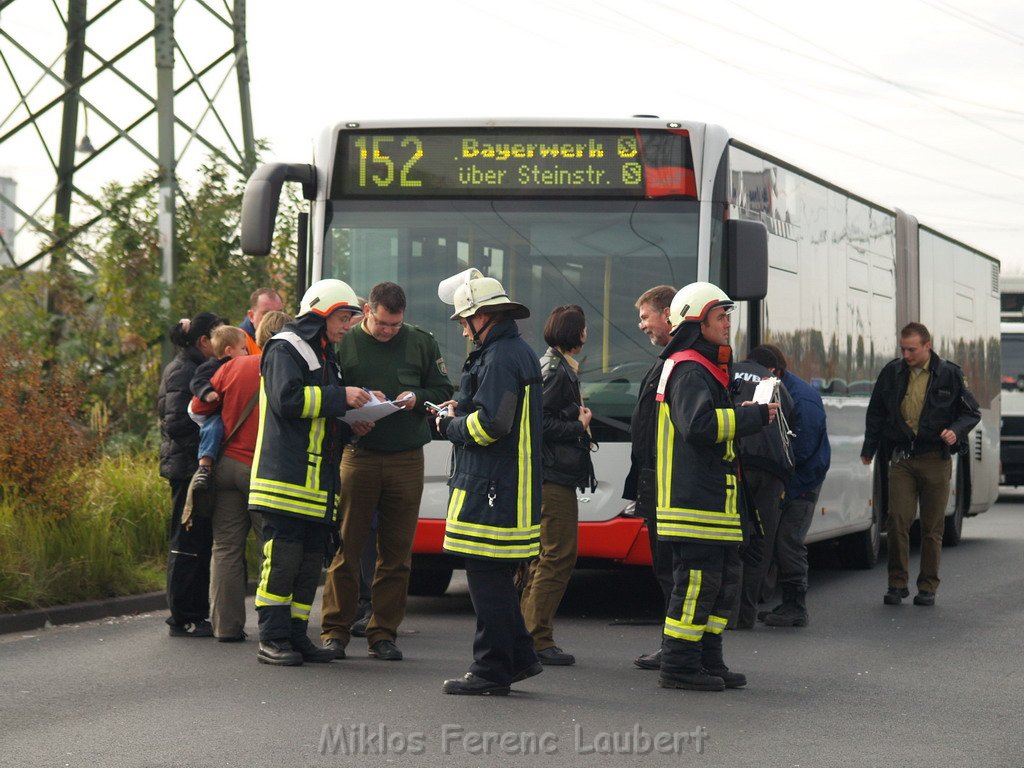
(383, 471)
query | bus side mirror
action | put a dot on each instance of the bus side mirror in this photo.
(746, 253)
(260, 201)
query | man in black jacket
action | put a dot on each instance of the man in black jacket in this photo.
(766, 458)
(653, 306)
(920, 409)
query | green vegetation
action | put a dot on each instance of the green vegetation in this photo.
(83, 510)
(112, 543)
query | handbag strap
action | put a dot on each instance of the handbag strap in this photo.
(238, 425)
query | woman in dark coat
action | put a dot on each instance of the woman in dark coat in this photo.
(567, 466)
(188, 562)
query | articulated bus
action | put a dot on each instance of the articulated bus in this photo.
(596, 212)
(1011, 339)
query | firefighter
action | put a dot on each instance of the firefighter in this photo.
(295, 481)
(699, 505)
(494, 507)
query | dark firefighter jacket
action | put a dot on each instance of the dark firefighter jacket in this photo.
(494, 508)
(698, 492)
(298, 449)
(948, 404)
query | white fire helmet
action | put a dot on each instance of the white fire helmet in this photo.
(470, 291)
(693, 302)
(326, 296)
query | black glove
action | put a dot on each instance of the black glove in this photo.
(442, 426)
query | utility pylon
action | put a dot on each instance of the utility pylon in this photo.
(165, 83)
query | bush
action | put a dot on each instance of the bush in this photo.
(112, 543)
(42, 439)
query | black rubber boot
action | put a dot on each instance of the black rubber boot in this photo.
(792, 612)
(681, 668)
(713, 663)
(314, 654)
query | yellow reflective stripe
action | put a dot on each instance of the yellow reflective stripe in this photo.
(664, 444)
(692, 593)
(455, 503)
(726, 418)
(311, 401)
(520, 552)
(675, 514)
(301, 611)
(731, 506)
(684, 627)
(497, 533)
(286, 505)
(696, 532)
(268, 548)
(716, 624)
(525, 500)
(292, 489)
(263, 596)
(317, 429)
(476, 431)
(313, 471)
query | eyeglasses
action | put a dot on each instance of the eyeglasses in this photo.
(382, 324)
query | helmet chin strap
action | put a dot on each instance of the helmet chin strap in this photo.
(477, 341)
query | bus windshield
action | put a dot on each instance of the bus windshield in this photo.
(599, 254)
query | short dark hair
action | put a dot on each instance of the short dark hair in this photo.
(254, 297)
(390, 295)
(660, 297)
(564, 327)
(916, 329)
(779, 357)
(763, 356)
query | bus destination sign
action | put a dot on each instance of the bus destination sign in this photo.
(514, 163)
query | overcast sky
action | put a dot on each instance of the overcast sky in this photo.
(916, 104)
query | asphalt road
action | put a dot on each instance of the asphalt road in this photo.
(864, 685)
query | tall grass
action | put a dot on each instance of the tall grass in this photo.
(112, 543)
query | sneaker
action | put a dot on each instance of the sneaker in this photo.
(385, 650)
(924, 598)
(239, 638)
(202, 478)
(895, 595)
(556, 657)
(201, 628)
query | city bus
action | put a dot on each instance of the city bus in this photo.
(1011, 342)
(594, 212)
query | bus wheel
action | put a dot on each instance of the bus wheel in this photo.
(954, 525)
(429, 582)
(860, 550)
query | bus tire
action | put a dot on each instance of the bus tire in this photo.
(429, 582)
(860, 550)
(952, 530)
